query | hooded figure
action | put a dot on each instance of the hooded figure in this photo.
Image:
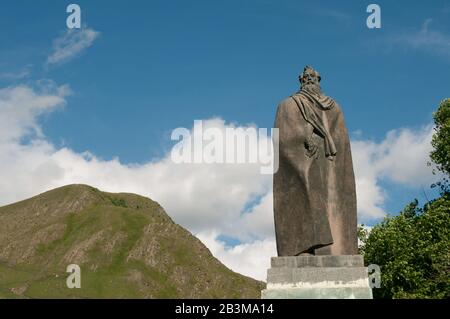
(314, 187)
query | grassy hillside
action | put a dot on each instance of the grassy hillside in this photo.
(125, 244)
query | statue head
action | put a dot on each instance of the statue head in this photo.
(310, 80)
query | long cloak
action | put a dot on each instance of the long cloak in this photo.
(314, 192)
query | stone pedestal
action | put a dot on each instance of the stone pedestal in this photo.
(317, 277)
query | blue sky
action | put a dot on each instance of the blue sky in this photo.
(158, 65)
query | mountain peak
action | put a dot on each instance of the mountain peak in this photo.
(126, 245)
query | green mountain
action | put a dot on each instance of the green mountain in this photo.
(125, 244)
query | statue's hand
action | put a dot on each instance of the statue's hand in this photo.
(311, 147)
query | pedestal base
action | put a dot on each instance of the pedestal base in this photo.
(317, 277)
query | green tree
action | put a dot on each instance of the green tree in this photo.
(413, 251)
(441, 142)
(413, 248)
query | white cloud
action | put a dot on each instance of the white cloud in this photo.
(21, 105)
(20, 74)
(250, 259)
(71, 44)
(401, 158)
(209, 200)
(258, 221)
(198, 196)
(425, 39)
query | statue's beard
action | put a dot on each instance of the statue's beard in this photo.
(312, 88)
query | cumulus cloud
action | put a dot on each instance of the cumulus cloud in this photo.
(71, 44)
(21, 105)
(401, 158)
(208, 199)
(198, 196)
(250, 259)
(257, 221)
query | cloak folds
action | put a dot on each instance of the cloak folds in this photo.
(314, 187)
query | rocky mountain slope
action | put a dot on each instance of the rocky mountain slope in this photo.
(125, 244)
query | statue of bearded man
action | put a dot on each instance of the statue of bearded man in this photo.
(314, 187)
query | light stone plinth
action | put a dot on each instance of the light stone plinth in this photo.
(317, 277)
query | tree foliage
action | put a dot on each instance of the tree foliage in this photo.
(441, 142)
(413, 251)
(413, 248)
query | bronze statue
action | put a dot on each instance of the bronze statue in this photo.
(314, 187)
